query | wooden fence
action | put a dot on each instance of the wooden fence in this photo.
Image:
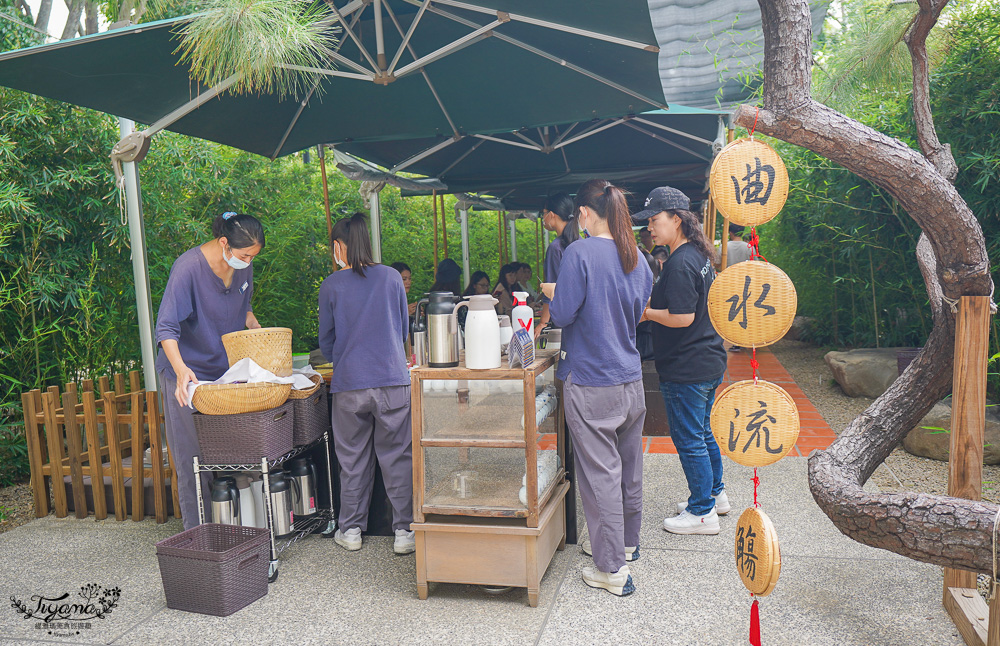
(106, 436)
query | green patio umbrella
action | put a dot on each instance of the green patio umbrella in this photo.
(403, 69)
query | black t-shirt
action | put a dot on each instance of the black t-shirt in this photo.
(695, 353)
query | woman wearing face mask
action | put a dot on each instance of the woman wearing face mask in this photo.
(207, 295)
(557, 216)
(504, 290)
(602, 290)
(362, 323)
(690, 357)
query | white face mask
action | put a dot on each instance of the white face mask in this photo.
(235, 262)
(336, 258)
(583, 229)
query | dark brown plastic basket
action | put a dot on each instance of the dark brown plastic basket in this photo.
(245, 438)
(312, 417)
(214, 569)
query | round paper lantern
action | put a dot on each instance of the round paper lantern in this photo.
(755, 424)
(749, 182)
(752, 303)
(758, 556)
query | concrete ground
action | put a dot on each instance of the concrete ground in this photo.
(831, 591)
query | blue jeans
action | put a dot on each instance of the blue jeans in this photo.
(689, 409)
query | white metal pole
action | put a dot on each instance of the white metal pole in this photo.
(376, 225)
(465, 246)
(513, 240)
(140, 268)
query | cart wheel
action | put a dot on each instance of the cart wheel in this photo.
(331, 528)
(272, 572)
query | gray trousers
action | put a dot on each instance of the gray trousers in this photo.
(605, 423)
(183, 442)
(370, 423)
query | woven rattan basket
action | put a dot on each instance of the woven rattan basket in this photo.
(755, 424)
(305, 394)
(231, 399)
(758, 555)
(749, 182)
(270, 347)
(245, 438)
(752, 304)
(312, 416)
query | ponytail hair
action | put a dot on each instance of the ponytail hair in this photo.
(239, 229)
(562, 205)
(691, 227)
(608, 202)
(353, 233)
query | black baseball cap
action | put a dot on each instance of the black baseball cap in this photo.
(663, 198)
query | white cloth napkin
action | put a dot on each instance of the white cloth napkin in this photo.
(250, 372)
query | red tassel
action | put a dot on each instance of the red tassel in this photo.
(754, 624)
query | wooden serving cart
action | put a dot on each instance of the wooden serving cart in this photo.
(489, 483)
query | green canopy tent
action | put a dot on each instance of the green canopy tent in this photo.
(521, 168)
(402, 69)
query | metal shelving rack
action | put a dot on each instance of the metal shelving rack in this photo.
(302, 527)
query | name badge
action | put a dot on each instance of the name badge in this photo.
(562, 354)
(244, 287)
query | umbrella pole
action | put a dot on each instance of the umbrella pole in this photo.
(500, 237)
(326, 204)
(140, 268)
(434, 201)
(376, 224)
(513, 240)
(444, 227)
(466, 269)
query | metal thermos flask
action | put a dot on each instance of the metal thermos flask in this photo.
(281, 503)
(302, 474)
(225, 501)
(442, 343)
(419, 335)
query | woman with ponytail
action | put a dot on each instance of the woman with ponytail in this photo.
(363, 323)
(601, 294)
(690, 358)
(557, 216)
(207, 295)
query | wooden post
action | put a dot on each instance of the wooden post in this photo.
(75, 446)
(724, 258)
(114, 454)
(135, 383)
(156, 452)
(54, 437)
(138, 448)
(434, 202)
(39, 486)
(444, 227)
(95, 459)
(538, 246)
(965, 463)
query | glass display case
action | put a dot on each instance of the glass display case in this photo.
(487, 442)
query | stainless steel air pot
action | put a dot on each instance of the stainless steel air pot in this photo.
(302, 474)
(281, 503)
(225, 501)
(442, 343)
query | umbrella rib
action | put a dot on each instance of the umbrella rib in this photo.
(534, 144)
(423, 72)
(565, 134)
(409, 32)
(551, 57)
(326, 72)
(450, 48)
(707, 142)
(592, 131)
(461, 157)
(421, 155)
(666, 141)
(504, 141)
(179, 113)
(565, 161)
(357, 41)
(553, 25)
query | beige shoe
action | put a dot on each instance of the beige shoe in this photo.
(617, 583)
(631, 553)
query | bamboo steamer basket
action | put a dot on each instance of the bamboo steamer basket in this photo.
(269, 347)
(231, 399)
(734, 302)
(740, 172)
(757, 552)
(308, 392)
(749, 436)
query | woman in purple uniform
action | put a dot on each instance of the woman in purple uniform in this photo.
(602, 290)
(363, 323)
(207, 295)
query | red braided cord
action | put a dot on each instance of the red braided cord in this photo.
(756, 114)
(756, 483)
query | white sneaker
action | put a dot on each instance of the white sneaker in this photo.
(349, 540)
(687, 523)
(405, 543)
(631, 553)
(618, 583)
(722, 506)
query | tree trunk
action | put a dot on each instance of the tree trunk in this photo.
(75, 8)
(952, 256)
(92, 24)
(44, 11)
